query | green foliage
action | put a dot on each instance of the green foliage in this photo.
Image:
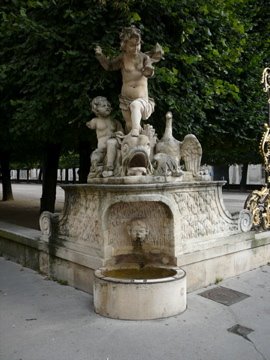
(69, 160)
(215, 52)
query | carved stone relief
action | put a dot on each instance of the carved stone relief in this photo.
(80, 221)
(200, 215)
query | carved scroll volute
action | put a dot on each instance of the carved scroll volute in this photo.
(48, 223)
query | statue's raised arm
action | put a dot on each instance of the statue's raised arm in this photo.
(106, 63)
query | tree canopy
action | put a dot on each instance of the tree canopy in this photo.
(215, 52)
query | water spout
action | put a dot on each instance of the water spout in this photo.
(138, 251)
(138, 231)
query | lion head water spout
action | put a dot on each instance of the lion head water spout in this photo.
(138, 232)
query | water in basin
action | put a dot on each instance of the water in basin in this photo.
(140, 274)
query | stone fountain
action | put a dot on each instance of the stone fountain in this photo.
(147, 209)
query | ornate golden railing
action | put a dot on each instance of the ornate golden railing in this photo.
(258, 202)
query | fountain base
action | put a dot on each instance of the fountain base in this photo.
(134, 294)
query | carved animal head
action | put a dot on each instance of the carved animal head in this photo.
(135, 153)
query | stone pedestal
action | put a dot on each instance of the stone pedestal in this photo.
(187, 222)
(181, 217)
(187, 226)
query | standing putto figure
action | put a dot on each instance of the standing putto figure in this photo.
(136, 68)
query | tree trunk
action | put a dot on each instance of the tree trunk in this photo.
(243, 182)
(40, 175)
(66, 176)
(74, 175)
(84, 151)
(221, 172)
(6, 181)
(50, 166)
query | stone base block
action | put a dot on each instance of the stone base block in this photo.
(204, 264)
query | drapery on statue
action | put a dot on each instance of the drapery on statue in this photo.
(136, 68)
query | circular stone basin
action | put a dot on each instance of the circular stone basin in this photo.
(140, 294)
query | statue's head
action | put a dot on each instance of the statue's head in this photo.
(138, 230)
(130, 37)
(101, 106)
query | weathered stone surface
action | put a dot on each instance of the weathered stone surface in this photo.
(179, 217)
(220, 257)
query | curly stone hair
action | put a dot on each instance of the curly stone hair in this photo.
(97, 101)
(128, 33)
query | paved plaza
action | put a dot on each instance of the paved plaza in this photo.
(42, 319)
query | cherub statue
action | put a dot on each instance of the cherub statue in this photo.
(136, 68)
(109, 133)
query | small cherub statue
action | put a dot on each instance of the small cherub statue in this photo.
(136, 68)
(108, 133)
